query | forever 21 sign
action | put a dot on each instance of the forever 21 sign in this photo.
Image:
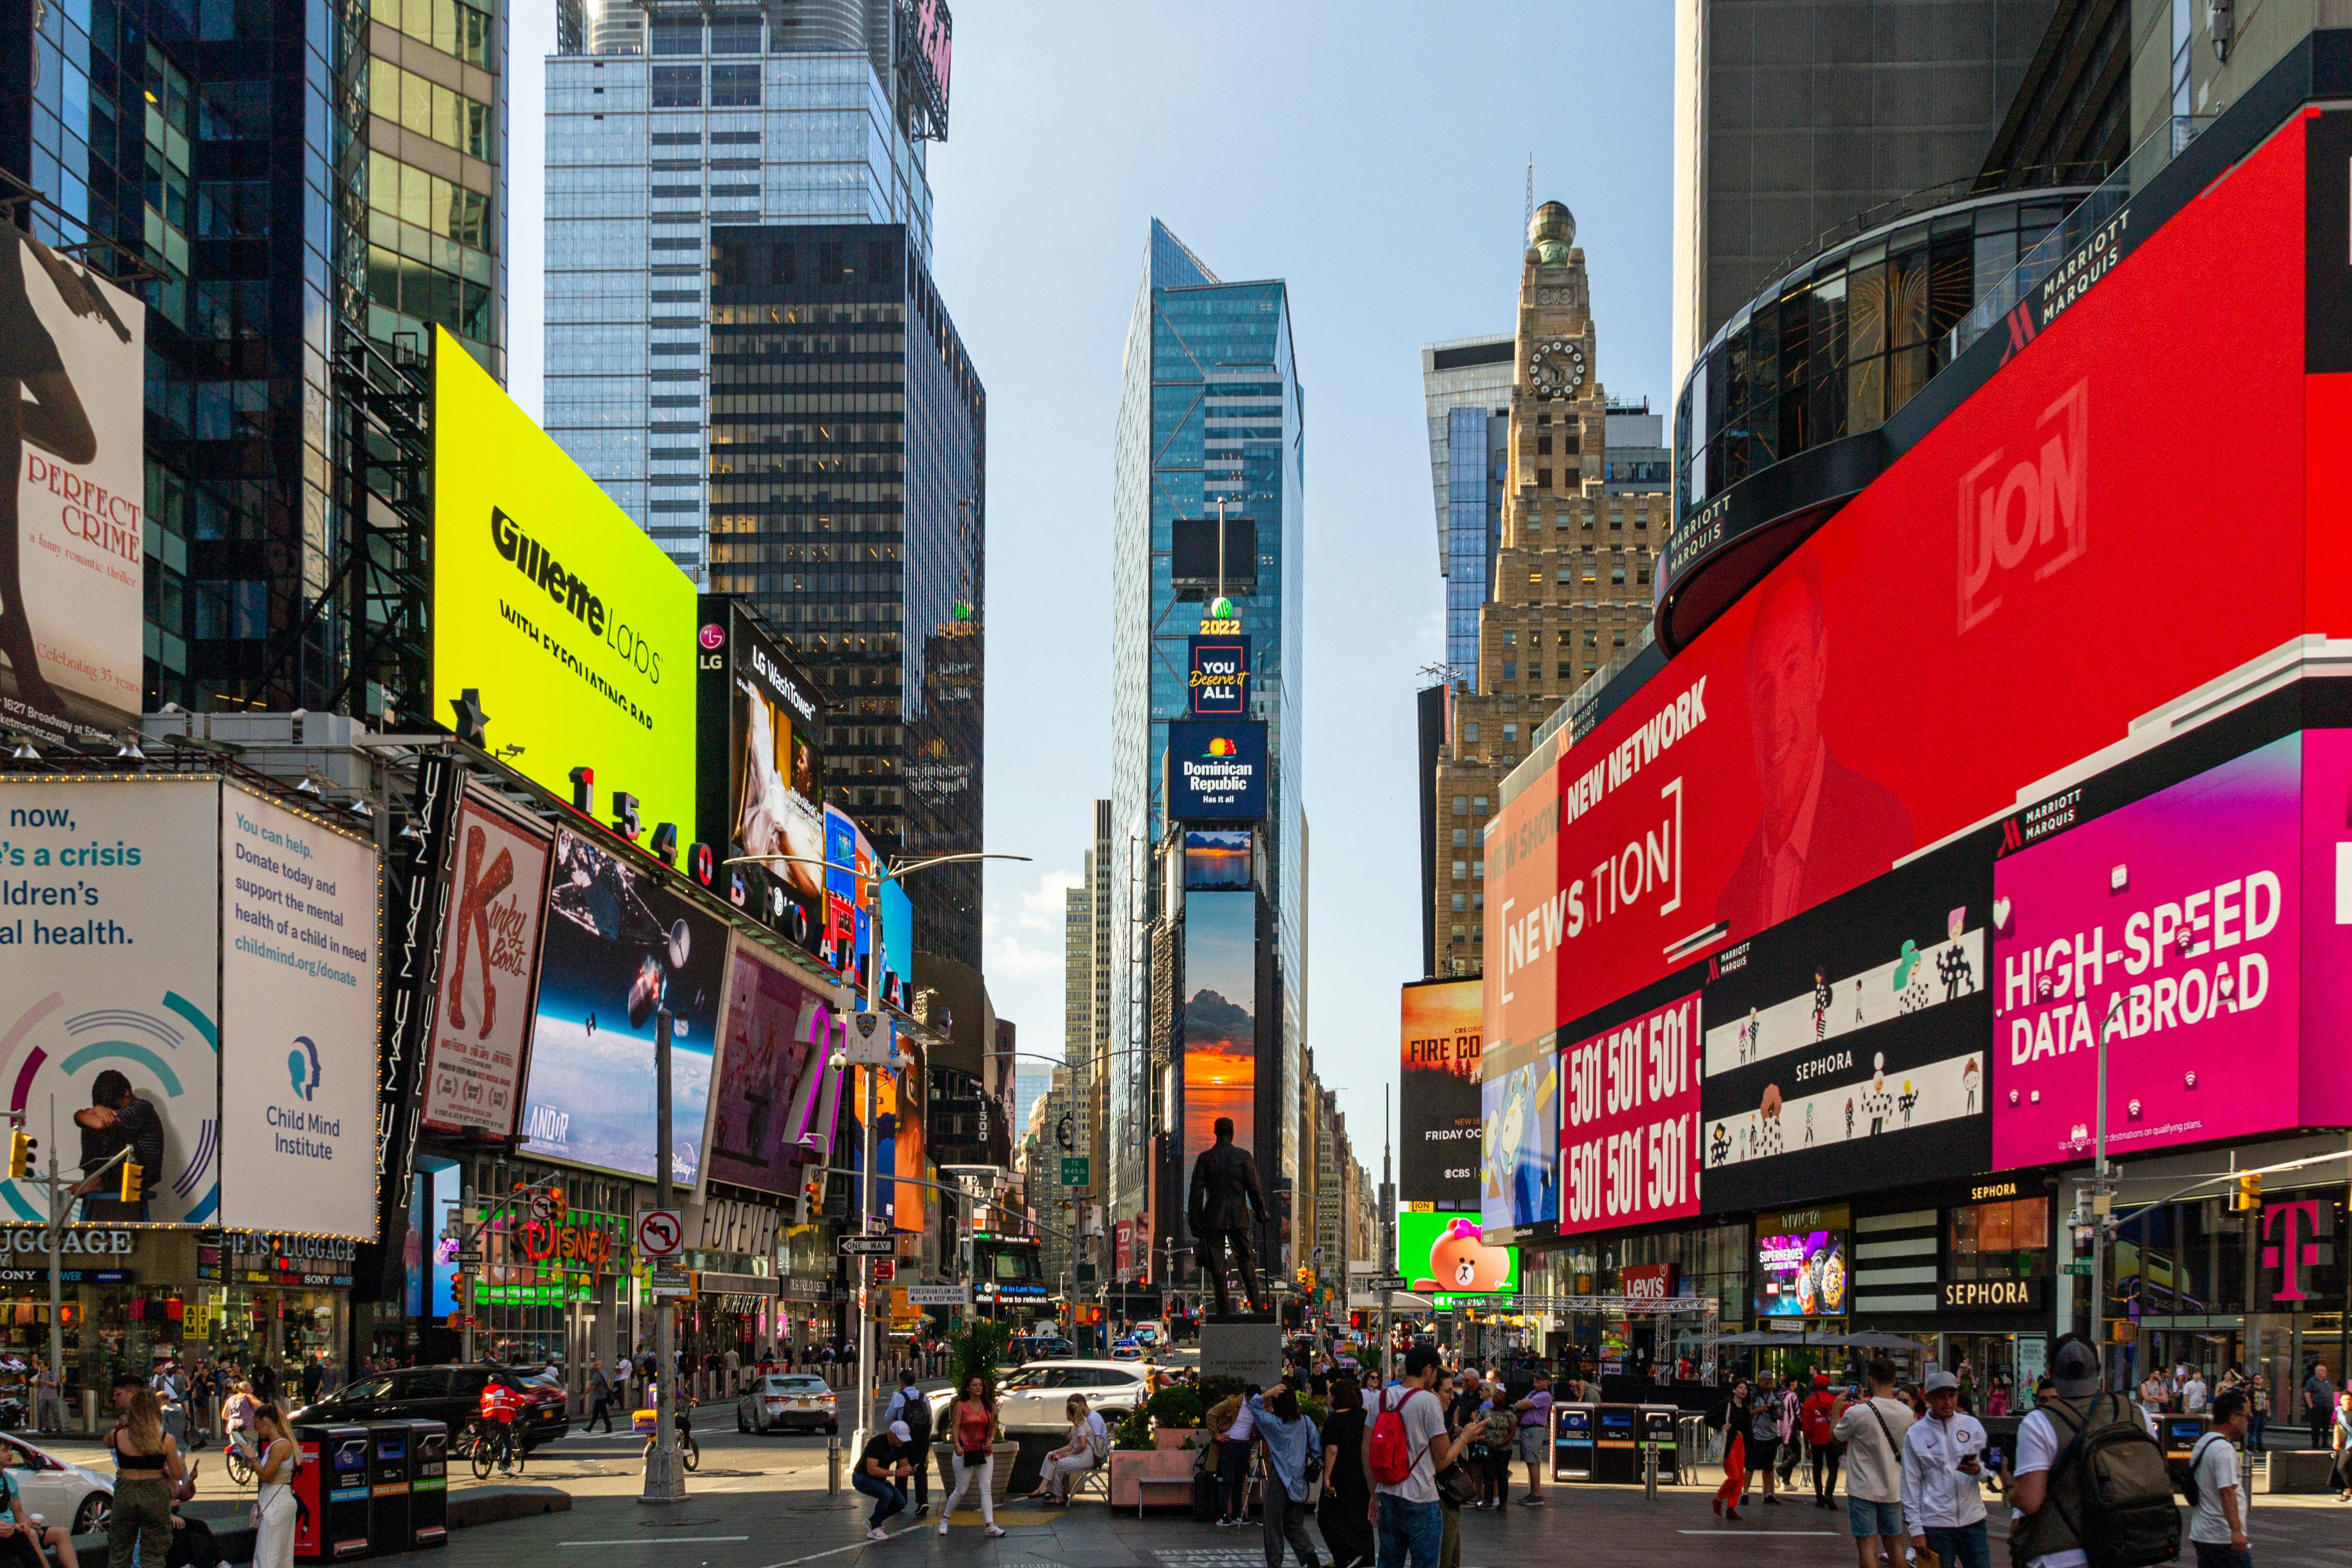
(1999, 1295)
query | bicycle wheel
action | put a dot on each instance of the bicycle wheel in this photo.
(690, 1452)
(482, 1457)
(239, 1472)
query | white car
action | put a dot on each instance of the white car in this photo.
(781, 1401)
(1034, 1397)
(73, 1496)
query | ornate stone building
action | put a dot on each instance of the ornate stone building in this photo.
(1572, 585)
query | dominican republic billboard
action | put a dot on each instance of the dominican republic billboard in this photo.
(2200, 932)
(1990, 612)
(1216, 770)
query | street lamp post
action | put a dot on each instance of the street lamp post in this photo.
(664, 1479)
(867, 1022)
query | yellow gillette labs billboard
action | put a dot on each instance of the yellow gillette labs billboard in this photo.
(573, 627)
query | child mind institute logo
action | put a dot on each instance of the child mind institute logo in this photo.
(302, 1067)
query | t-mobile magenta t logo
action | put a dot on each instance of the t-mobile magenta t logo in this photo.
(2290, 1244)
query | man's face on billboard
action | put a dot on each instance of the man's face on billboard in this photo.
(1787, 667)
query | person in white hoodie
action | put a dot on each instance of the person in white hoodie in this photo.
(1943, 1466)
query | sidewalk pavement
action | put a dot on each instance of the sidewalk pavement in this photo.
(778, 1524)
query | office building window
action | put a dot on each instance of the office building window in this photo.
(677, 87)
(734, 87)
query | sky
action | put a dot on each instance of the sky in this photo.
(1373, 155)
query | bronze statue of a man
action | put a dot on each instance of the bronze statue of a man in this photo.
(1225, 1202)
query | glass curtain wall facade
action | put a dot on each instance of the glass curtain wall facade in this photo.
(848, 484)
(1466, 387)
(255, 157)
(679, 120)
(1477, 450)
(1841, 343)
(1211, 410)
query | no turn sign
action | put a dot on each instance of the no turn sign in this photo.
(661, 1233)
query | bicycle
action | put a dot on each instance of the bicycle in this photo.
(493, 1448)
(690, 1452)
(240, 1469)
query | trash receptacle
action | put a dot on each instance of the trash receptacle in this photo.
(1616, 1444)
(2179, 1434)
(428, 1484)
(332, 1486)
(1660, 1432)
(1572, 1442)
(388, 1487)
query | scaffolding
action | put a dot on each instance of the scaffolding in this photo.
(1705, 1308)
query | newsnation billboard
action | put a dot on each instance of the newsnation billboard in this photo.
(575, 629)
(1920, 668)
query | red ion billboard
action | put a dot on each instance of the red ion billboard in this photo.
(2012, 596)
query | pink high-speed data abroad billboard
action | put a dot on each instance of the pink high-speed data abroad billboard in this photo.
(2193, 931)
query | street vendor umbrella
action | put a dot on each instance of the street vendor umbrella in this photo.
(1870, 1340)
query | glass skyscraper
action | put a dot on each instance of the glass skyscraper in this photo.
(1211, 411)
(1466, 387)
(678, 117)
(296, 181)
(848, 501)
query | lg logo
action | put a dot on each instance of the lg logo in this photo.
(2025, 510)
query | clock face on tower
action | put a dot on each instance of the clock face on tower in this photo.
(1557, 368)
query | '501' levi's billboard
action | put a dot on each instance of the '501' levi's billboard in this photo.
(2005, 600)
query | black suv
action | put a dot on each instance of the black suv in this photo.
(452, 1395)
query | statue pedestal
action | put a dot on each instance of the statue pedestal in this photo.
(1247, 1345)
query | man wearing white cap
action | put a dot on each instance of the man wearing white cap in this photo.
(1943, 1500)
(879, 1469)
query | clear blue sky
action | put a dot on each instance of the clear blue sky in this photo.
(1375, 156)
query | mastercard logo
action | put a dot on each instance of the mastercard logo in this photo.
(1220, 748)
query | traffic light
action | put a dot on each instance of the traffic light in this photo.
(131, 1174)
(23, 1148)
(2250, 1191)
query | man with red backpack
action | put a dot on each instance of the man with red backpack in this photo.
(1407, 1447)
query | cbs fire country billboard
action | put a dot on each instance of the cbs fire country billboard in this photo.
(1927, 650)
(1437, 1104)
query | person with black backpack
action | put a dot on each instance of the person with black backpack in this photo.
(913, 1407)
(2091, 1488)
(2217, 1517)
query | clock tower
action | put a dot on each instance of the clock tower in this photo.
(1570, 598)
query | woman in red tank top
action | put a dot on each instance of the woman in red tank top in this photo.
(974, 1424)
